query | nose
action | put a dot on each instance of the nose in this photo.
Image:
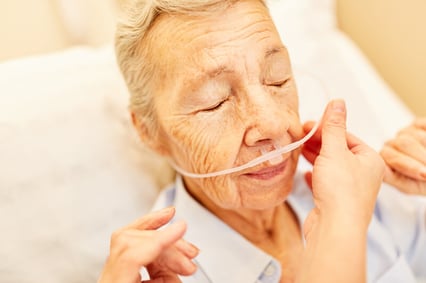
(268, 120)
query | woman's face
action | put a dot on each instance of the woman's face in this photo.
(227, 93)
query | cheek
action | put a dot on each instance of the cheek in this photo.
(204, 145)
(222, 191)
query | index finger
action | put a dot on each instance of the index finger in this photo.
(153, 220)
(420, 123)
(403, 164)
(416, 132)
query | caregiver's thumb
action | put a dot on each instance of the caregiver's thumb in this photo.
(334, 126)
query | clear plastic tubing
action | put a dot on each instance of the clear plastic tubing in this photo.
(274, 157)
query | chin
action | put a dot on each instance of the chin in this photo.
(266, 198)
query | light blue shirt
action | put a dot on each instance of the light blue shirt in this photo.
(396, 238)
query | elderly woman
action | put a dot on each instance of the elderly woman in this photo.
(212, 89)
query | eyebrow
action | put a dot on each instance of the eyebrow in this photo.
(217, 71)
(198, 80)
(274, 50)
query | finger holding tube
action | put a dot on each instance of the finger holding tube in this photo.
(345, 181)
(346, 173)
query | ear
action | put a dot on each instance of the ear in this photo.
(149, 136)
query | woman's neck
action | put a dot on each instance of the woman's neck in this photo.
(255, 225)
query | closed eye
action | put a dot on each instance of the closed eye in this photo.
(279, 83)
(215, 107)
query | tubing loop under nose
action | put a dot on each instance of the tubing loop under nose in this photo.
(274, 157)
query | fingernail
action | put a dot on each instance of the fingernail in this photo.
(193, 250)
(166, 210)
(189, 266)
(338, 105)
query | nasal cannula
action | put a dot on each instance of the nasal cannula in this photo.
(274, 157)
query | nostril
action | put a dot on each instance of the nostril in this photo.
(276, 158)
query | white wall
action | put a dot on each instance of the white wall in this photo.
(30, 27)
(392, 33)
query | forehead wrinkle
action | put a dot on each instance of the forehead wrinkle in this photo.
(212, 73)
(197, 80)
(214, 38)
(213, 28)
(206, 34)
(204, 75)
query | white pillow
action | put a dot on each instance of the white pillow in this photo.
(296, 18)
(71, 169)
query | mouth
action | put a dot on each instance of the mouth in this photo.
(268, 172)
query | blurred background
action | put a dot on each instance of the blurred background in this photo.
(392, 33)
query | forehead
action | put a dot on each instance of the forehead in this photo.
(196, 41)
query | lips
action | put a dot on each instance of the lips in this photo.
(268, 172)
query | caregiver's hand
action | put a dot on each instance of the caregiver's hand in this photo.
(347, 173)
(345, 181)
(163, 252)
(405, 157)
